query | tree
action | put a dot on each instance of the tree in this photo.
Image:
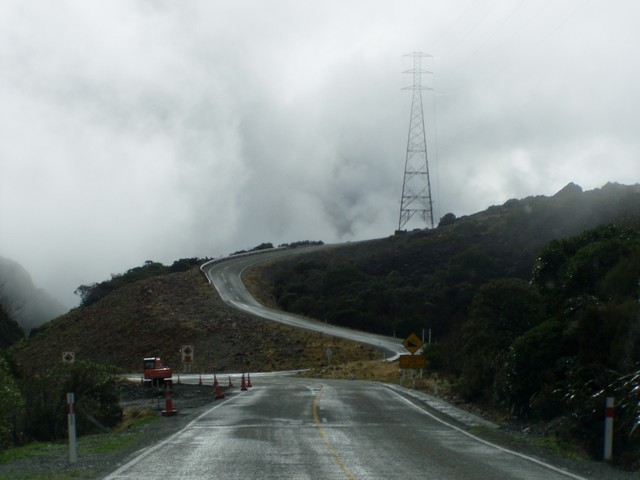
(45, 398)
(448, 219)
(500, 312)
(574, 266)
(12, 307)
(10, 331)
(538, 359)
(11, 405)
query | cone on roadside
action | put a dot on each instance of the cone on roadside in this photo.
(219, 392)
(243, 385)
(230, 384)
(249, 381)
(169, 411)
(215, 381)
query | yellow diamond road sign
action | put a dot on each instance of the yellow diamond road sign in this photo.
(412, 343)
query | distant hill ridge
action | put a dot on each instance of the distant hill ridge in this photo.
(532, 305)
(443, 266)
(22, 300)
(506, 335)
(511, 234)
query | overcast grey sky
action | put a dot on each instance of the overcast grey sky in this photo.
(157, 130)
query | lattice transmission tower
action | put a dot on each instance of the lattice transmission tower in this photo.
(416, 188)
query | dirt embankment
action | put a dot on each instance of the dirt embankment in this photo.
(157, 316)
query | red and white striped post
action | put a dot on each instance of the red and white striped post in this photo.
(71, 422)
(608, 429)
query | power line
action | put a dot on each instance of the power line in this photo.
(495, 30)
(476, 23)
(521, 54)
(457, 19)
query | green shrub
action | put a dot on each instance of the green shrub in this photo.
(11, 406)
(537, 361)
(94, 386)
(10, 330)
(577, 265)
(501, 311)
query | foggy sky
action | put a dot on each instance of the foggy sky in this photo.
(158, 130)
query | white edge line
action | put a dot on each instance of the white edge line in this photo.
(116, 474)
(478, 439)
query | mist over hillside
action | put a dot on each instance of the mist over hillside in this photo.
(533, 305)
(401, 282)
(532, 299)
(22, 300)
(10, 330)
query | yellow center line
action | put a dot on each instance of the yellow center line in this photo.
(336, 457)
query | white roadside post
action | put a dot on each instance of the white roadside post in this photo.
(608, 429)
(71, 421)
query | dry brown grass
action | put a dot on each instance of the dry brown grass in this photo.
(158, 315)
(380, 371)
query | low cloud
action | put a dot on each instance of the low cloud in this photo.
(153, 130)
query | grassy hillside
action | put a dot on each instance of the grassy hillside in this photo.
(157, 315)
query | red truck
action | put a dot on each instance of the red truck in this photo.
(155, 372)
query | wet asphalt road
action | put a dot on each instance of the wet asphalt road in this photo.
(295, 428)
(226, 277)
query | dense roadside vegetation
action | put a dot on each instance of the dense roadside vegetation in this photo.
(533, 306)
(32, 405)
(10, 331)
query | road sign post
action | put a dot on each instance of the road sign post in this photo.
(608, 429)
(412, 362)
(187, 357)
(71, 422)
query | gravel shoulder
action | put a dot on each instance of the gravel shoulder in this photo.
(100, 454)
(513, 437)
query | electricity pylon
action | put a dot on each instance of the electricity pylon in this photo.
(416, 188)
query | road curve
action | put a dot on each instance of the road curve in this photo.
(225, 274)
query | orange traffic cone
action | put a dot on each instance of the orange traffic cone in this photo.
(249, 381)
(169, 410)
(243, 386)
(219, 393)
(230, 384)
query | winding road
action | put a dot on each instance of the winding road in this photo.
(303, 428)
(226, 275)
